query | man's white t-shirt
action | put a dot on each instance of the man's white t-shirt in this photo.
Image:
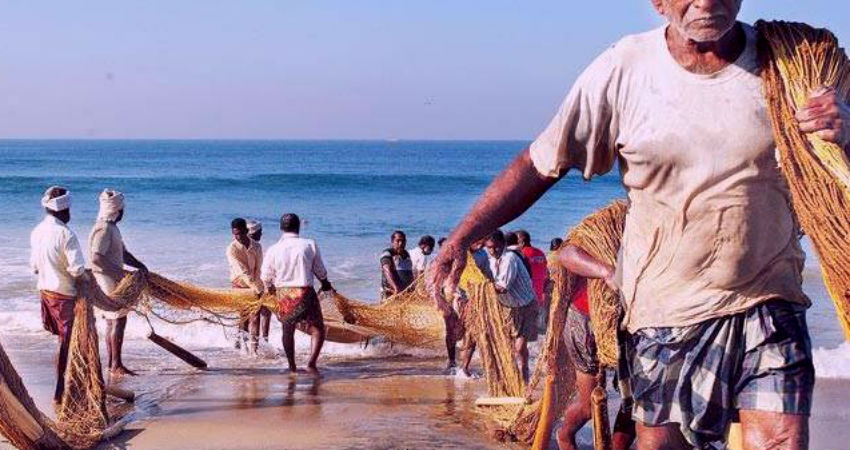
(710, 230)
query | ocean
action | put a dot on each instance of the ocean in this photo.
(351, 195)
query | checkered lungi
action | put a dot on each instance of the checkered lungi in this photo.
(699, 376)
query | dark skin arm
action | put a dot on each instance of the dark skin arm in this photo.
(827, 115)
(581, 263)
(131, 261)
(508, 196)
(392, 276)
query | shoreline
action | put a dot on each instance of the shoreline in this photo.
(366, 401)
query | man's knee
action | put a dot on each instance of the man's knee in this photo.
(662, 437)
(774, 430)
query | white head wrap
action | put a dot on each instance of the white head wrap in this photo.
(111, 204)
(56, 204)
(254, 226)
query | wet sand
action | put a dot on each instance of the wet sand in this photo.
(374, 402)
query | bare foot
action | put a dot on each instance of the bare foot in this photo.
(120, 371)
(313, 370)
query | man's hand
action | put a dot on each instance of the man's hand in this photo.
(826, 115)
(609, 279)
(325, 286)
(445, 273)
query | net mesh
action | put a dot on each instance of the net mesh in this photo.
(796, 60)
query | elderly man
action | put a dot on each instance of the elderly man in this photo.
(57, 260)
(262, 319)
(245, 259)
(515, 291)
(396, 266)
(108, 257)
(711, 265)
(288, 271)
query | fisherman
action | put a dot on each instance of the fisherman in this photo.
(245, 259)
(396, 266)
(264, 315)
(711, 266)
(513, 286)
(539, 276)
(581, 345)
(108, 257)
(57, 260)
(288, 271)
(422, 256)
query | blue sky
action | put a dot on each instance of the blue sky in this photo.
(313, 69)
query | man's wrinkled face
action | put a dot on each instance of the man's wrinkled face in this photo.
(494, 249)
(700, 20)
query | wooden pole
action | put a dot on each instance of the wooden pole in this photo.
(599, 413)
(124, 394)
(543, 433)
(177, 351)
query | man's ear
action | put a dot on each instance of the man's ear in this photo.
(659, 6)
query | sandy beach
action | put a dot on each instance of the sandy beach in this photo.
(377, 400)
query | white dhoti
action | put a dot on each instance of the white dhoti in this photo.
(107, 284)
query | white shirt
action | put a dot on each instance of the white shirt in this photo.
(420, 260)
(292, 262)
(56, 256)
(509, 273)
(710, 231)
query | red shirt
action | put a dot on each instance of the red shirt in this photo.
(539, 271)
(579, 300)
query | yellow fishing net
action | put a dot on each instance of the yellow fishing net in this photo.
(599, 234)
(796, 60)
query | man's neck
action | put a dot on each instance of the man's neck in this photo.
(706, 57)
(246, 242)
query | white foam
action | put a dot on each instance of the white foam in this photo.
(832, 362)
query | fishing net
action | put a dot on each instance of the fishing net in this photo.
(408, 317)
(519, 422)
(796, 60)
(599, 234)
(20, 421)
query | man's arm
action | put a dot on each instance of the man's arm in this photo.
(391, 275)
(506, 273)
(320, 271)
(508, 196)
(131, 261)
(237, 267)
(827, 115)
(267, 272)
(581, 263)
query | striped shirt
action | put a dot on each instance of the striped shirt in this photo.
(509, 274)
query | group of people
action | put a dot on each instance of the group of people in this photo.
(709, 272)
(287, 271)
(58, 262)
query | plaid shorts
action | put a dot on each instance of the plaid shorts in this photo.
(699, 375)
(581, 344)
